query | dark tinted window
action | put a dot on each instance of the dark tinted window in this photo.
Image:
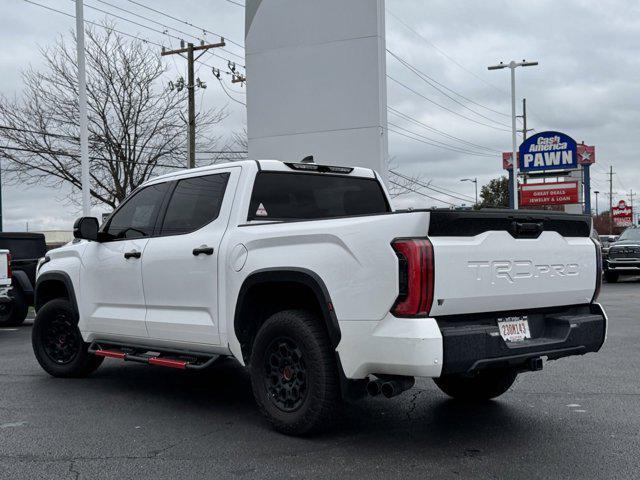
(194, 203)
(23, 247)
(281, 196)
(137, 216)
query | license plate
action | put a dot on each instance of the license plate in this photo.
(514, 329)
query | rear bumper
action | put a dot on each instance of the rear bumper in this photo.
(430, 347)
(475, 345)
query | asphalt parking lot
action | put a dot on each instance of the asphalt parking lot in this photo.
(578, 418)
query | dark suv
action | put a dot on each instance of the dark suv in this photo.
(26, 249)
(624, 255)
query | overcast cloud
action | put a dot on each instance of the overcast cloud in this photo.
(586, 84)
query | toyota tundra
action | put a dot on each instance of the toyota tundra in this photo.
(306, 276)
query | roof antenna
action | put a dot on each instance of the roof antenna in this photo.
(308, 159)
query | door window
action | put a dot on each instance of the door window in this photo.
(136, 217)
(195, 202)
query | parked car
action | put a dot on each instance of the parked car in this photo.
(304, 275)
(26, 250)
(624, 255)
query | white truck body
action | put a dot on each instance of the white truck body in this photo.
(155, 291)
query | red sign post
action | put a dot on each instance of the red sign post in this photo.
(558, 193)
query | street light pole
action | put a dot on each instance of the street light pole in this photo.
(514, 159)
(596, 192)
(82, 106)
(475, 181)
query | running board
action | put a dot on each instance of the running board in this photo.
(179, 360)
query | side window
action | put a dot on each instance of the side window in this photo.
(195, 202)
(137, 216)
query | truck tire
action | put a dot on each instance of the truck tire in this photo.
(293, 371)
(14, 312)
(484, 385)
(57, 342)
(611, 277)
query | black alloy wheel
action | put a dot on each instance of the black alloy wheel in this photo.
(58, 344)
(61, 339)
(285, 374)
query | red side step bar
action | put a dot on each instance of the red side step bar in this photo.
(167, 362)
(97, 350)
(110, 354)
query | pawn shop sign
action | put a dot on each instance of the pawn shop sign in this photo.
(548, 151)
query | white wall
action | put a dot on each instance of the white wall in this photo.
(316, 81)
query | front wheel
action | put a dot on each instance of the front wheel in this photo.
(57, 343)
(483, 385)
(294, 375)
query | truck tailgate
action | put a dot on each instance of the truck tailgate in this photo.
(497, 261)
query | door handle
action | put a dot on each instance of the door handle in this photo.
(203, 249)
(132, 254)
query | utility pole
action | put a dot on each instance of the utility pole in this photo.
(596, 192)
(512, 65)
(631, 195)
(191, 86)
(524, 130)
(611, 200)
(85, 179)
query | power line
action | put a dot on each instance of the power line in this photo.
(76, 139)
(440, 144)
(443, 107)
(136, 37)
(437, 131)
(100, 159)
(445, 54)
(202, 29)
(428, 79)
(422, 193)
(224, 89)
(426, 140)
(459, 196)
(151, 28)
(95, 24)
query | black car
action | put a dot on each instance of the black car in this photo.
(26, 249)
(624, 255)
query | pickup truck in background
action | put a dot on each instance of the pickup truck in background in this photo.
(623, 255)
(305, 275)
(26, 251)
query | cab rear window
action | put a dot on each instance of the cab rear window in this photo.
(301, 196)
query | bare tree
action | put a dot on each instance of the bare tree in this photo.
(136, 125)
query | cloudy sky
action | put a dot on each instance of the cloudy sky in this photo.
(587, 84)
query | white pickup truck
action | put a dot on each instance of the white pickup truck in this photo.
(305, 275)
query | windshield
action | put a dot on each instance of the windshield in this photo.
(630, 234)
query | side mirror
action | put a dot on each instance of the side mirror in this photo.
(86, 228)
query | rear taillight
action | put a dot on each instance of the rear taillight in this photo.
(596, 294)
(9, 271)
(416, 277)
